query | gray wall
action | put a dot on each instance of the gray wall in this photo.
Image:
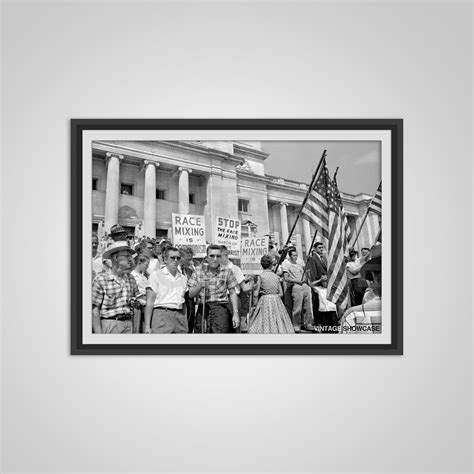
(259, 59)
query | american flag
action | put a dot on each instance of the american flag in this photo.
(316, 206)
(337, 247)
(376, 203)
(345, 223)
(324, 210)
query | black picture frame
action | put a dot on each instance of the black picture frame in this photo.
(393, 126)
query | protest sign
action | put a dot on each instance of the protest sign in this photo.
(252, 250)
(189, 230)
(228, 234)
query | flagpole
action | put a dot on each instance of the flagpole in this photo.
(309, 255)
(313, 179)
(364, 219)
(377, 238)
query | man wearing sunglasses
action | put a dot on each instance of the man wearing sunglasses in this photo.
(216, 282)
(164, 311)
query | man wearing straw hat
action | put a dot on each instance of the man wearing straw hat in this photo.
(114, 291)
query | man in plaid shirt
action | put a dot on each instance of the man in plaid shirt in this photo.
(216, 282)
(113, 292)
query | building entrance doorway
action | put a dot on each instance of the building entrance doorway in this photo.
(161, 234)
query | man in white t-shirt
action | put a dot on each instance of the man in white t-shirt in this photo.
(165, 310)
(293, 273)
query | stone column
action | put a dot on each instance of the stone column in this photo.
(112, 190)
(284, 223)
(183, 190)
(298, 246)
(149, 211)
(307, 235)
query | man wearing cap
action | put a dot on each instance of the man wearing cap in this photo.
(213, 285)
(118, 233)
(113, 292)
(165, 312)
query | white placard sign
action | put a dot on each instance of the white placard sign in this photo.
(228, 234)
(189, 230)
(252, 250)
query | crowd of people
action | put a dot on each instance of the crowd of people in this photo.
(145, 285)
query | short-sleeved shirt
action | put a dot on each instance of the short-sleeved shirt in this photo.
(169, 289)
(294, 270)
(219, 282)
(239, 276)
(111, 293)
(353, 269)
(142, 282)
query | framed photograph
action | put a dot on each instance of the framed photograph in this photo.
(222, 236)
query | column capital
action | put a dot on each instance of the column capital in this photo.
(179, 171)
(109, 154)
(283, 204)
(148, 162)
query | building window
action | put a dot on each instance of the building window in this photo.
(192, 199)
(244, 205)
(95, 184)
(126, 189)
(161, 194)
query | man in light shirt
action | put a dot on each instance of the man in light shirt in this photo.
(358, 284)
(165, 310)
(293, 273)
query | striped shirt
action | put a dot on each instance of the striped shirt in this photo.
(111, 293)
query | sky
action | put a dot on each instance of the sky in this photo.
(359, 162)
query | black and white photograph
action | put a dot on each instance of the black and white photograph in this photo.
(237, 236)
(239, 242)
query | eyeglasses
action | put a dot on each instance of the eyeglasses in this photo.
(214, 256)
(174, 258)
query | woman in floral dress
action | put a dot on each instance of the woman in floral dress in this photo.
(270, 316)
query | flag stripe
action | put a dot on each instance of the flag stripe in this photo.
(316, 210)
(376, 203)
(325, 211)
(337, 280)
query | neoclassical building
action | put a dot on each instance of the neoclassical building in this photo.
(139, 184)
